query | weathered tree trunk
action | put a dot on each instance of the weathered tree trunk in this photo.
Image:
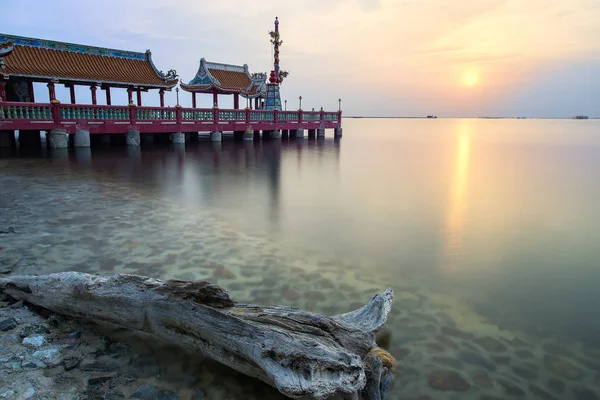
(300, 353)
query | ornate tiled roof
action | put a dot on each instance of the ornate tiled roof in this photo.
(45, 59)
(227, 79)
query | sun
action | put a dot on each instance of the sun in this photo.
(470, 79)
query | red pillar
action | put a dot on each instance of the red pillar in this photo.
(51, 91)
(129, 95)
(193, 99)
(236, 101)
(93, 90)
(139, 97)
(161, 92)
(215, 99)
(72, 92)
(108, 102)
(2, 90)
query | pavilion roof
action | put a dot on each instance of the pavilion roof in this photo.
(40, 59)
(226, 79)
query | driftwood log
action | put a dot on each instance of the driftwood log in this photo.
(302, 354)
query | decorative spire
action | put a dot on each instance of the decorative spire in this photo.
(277, 75)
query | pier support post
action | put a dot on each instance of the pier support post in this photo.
(337, 132)
(7, 139)
(249, 134)
(300, 133)
(311, 133)
(216, 136)
(276, 134)
(58, 139)
(178, 138)
(132, 137)
(321, 133)
(81, 139)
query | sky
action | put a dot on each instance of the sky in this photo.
(533, 58)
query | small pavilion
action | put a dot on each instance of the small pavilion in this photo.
(24, 61)
(217, 78)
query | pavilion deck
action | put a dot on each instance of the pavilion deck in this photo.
(102, 119)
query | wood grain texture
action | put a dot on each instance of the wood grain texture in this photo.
(302, 354)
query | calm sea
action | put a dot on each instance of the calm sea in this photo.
(487, 226)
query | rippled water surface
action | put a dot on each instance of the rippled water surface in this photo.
(488, 231)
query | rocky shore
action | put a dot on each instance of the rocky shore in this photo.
(44, 356)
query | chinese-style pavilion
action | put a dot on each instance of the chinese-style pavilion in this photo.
(24, 61)
(217, 78)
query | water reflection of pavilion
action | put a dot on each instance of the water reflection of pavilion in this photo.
(233, 175)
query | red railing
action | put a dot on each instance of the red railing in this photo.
(19, 114)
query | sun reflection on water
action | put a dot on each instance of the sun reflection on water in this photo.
(456, 214)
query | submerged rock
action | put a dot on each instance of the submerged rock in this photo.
(563, 367)
(482, 379)
(556, 385)
(510, 388)
(584, 394)
(490, 344)
(475, 359)
(457, 333)
(149, 392)
(447, 380)
(542, 394)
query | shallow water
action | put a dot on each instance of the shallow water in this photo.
(485, 226)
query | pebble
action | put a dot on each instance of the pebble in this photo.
(29, 393)
(50, 357)
(8, 324)
(8, 394)
(34, 341)
(31, 330)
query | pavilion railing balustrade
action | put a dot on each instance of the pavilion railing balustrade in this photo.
(195, 114)
(288, 116)
(330, 116)
(26, 111)
(262, 116)
(311, 116)
(56, 112)
(155, 114)
(232, 115)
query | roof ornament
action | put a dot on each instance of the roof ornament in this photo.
(277, 76)
(5, 50)
(170, 75)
